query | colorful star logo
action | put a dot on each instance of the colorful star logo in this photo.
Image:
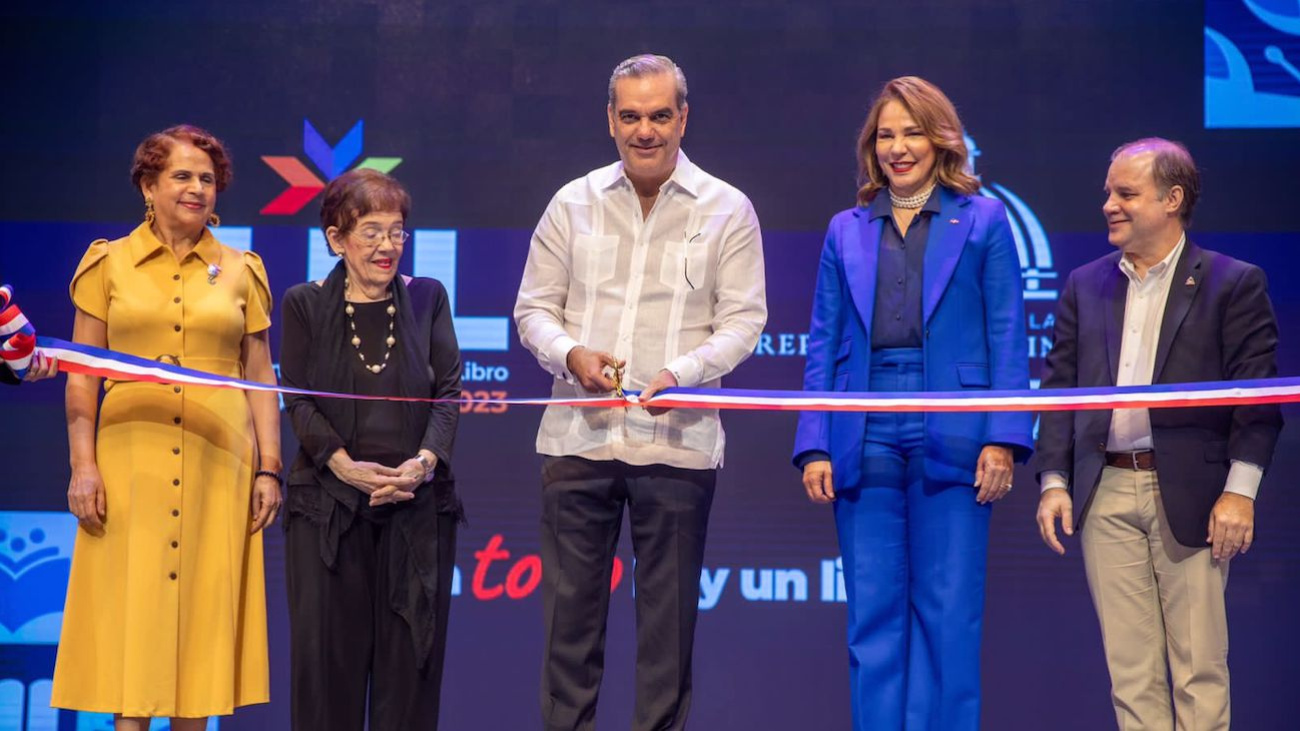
(331, 161)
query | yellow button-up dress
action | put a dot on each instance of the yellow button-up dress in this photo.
(166, 612)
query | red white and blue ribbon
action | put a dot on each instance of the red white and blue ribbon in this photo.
(18, 341)
(92, 361)
(17, 336)
(78, 358)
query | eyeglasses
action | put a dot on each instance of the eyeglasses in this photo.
(372, 236)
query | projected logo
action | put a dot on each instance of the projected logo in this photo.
(35, 557)
(35, 560)
(331, 161)
(1252, 48)
(1036, 264)
(1032, 246)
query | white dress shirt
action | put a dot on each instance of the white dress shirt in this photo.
(681, 289)
(1144, 311)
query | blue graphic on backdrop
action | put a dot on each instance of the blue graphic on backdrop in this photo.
(1032, 245)
(1037, 266)
(1252, 48)
(104, 722)
(35, 557)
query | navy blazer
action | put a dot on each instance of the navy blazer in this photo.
(973, 316)
(1218, 325)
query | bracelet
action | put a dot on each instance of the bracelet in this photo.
(424, 462)
(268, 473)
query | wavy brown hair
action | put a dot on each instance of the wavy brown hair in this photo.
(938, 119)
(151, 156)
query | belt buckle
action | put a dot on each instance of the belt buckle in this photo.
(1134, 457)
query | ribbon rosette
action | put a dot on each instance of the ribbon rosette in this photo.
(17, 336)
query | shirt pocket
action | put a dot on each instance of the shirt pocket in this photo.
(683, 264)
(594, 258)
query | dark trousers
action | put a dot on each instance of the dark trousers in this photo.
(582, 513)
(346, 644)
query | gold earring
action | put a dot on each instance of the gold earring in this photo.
(214, 220)
(148, 211)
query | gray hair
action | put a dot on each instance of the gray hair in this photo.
(647, 64)
(1172, 165)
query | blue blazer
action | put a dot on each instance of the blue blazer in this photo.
(974, 336)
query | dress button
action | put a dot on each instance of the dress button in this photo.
(177, 300)
(172, 576)
(176, 419)
(176, 450)
(176, 513)
(177, 389)
(898, 317)
(176, 482)
(176, 277)
(175, 544)
(177, 328)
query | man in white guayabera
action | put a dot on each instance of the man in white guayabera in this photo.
(648, 271)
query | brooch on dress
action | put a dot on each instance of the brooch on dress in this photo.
(213, 271)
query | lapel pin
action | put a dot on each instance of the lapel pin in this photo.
(1190, 282)
(953, 220)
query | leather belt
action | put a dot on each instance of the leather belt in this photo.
(1143, 460)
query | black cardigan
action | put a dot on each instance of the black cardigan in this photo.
(315, 354)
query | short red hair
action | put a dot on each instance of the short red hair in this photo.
(151, 155)
(358, 193)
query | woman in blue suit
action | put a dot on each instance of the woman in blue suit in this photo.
(918, 289)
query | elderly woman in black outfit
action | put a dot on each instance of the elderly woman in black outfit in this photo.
(372, 507)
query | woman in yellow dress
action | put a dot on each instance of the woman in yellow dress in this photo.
(166, 607)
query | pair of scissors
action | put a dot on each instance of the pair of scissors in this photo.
(618, 381)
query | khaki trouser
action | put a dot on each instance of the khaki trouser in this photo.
(1161, 610)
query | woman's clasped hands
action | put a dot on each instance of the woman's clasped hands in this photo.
(383, 484)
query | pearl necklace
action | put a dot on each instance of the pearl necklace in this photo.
(356, 339)
(911, 201)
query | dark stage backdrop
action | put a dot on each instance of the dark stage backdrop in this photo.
(484, 109)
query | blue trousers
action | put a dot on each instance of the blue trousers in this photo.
(914, 556)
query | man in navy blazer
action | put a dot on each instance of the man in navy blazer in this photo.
(1167, 494)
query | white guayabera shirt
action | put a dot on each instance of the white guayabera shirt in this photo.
(682, 289)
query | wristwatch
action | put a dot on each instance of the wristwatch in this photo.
(424, 462)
